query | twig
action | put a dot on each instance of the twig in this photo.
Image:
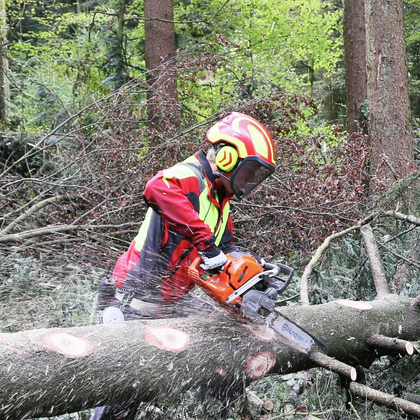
(354, 411)
(410, 262)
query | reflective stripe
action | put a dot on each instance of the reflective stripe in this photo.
(208, 212)
(140, 239)
(183, 170)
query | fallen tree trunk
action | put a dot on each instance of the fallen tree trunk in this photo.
(53, 371)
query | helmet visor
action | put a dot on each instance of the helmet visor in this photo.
(248, 175)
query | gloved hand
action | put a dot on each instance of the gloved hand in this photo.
(212, 257)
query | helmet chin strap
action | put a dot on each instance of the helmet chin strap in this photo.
(219, 175)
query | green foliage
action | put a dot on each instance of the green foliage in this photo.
(246, 55)
(60, 57)
(262, 45)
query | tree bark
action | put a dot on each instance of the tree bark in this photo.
(54, 371)
(4, 94)
(121, 67)
(160, 54)
(392, 153)
(376, 266)
(354, 36)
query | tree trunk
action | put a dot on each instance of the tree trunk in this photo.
(3, 64)
(121, 68)
(354, 34)
(392, 153)
(54, 371)
(160, 53)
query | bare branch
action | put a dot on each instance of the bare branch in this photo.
(47, 230)
(304, 294)
(336, 366)
(376, 266)
(382, 398)
(405, 217)
(32, 210)
(395, 344)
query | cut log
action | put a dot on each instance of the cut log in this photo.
(393, 344)
(54, 371)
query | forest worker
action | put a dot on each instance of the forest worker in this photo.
(188, 215)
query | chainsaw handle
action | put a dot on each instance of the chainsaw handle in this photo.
(280, 269)
(193, 270)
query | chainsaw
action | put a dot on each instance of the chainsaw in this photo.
(250, 290)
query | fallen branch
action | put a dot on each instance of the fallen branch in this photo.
(48, 230)
(382, 398)
(304, 290)
(393, 344)
(336, 366)
(32, 210)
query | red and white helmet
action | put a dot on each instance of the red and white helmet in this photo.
(243, 145)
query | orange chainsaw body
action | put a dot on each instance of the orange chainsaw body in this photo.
(235, 273)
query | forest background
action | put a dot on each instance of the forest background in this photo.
(92, 104)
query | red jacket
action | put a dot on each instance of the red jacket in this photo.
(186, 214)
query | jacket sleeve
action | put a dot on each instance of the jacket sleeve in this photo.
(166, 196)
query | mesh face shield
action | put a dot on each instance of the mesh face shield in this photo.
(248, 175)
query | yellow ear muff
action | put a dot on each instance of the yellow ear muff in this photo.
(226, 158)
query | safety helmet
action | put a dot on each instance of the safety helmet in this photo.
(243, 145)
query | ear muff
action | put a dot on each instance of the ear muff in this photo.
(226, 158)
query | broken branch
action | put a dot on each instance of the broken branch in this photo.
(393, 344)
(382, 398)
(376, 266)
(336, 366)
(304, 293)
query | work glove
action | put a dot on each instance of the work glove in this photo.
(213, 258)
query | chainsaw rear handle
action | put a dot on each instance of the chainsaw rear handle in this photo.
(193, 270)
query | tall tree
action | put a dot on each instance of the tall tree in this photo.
(392, 154)
(354, 34)
(160, 54)
(3, 63)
